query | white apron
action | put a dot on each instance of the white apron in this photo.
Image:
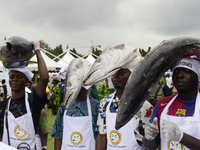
(122, 139)
(189, 125)
(21, 129)
(78, 132)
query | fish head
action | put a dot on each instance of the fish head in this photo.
(111, 60)
(75, 74)
(16, 52)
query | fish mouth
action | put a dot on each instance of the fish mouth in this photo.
(68, 101)
(89, 75)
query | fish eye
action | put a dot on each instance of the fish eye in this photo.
(98, 60)
(80, 64)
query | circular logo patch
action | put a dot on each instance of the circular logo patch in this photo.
(19, 132)
(76, 138)
(173, 145)
(115, 137)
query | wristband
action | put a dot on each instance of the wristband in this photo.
(44, 147)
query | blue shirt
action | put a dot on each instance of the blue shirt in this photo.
(62, 86)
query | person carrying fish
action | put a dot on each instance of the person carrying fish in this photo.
(75, 124)
(124, 59)
(175, 120)
(19, 114)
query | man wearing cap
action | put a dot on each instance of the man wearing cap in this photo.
(128, 137)
(19, 114)
(175, 120)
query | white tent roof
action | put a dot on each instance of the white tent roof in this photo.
(2, 68)
(51, 65)
(66, 59)
(90, 58)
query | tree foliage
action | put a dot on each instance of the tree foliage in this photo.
(96, 51)
(45, 46)
(56, 51)
(75, 52)
(143, 52)
(59, 50)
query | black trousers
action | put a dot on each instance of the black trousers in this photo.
(53, 109)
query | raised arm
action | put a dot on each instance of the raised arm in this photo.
(44, 76)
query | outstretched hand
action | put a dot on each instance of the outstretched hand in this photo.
(151, 130)
(171, 131)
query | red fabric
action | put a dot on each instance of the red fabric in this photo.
(161, 105)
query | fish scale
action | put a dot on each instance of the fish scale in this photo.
(148, 72)
(111, 60)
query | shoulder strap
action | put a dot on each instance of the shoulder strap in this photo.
(6, 111)
(157, 91)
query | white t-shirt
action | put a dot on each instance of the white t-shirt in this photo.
(169, 81)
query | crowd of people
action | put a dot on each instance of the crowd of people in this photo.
(168, 119)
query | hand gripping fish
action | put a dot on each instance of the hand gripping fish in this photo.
(148, 72)
(111, 60)
(16, 52)
(75, 74)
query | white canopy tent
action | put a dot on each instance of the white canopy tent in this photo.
(51, 65)
(90, 58)
(66, 59)
(2, 68)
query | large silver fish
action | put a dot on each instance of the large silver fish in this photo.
(112, 59)
(16, 52)
(75, 74)
(148, 72)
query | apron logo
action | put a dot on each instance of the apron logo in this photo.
(19, 132)
(180, 112)
(115, 137)
(76, 138)
(173, 145)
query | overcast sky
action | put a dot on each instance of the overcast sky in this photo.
(81, 23)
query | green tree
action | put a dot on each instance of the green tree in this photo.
(57, 51)
(45, 46)
(75, 52)
(143, 52)
(96, 51)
